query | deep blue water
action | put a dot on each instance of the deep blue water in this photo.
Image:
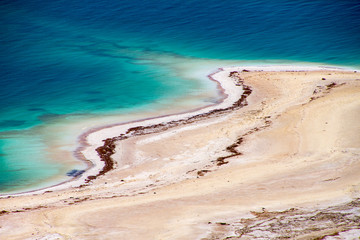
(81, 57)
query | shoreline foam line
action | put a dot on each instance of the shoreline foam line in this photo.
(96, 145)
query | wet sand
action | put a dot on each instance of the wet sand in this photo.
(291, 151)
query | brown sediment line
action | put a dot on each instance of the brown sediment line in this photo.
(83, 137)
(108, 148)
(298, 174)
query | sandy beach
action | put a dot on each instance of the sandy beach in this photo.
(277, 157)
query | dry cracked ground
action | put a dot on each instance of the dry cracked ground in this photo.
(336, 222)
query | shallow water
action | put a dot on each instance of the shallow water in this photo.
(67, 66)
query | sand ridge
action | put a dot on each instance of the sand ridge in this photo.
(297, 147)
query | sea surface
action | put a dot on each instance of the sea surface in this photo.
(70, 65)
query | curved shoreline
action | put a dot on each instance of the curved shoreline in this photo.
(290, 155)
(97, 166)
(154, 125)
(160, 123)
(95, 149)
(108, 148)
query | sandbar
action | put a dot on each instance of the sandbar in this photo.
(278, 156)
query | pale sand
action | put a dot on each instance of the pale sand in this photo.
(294, 153)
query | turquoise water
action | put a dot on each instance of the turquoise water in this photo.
(65, 62)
